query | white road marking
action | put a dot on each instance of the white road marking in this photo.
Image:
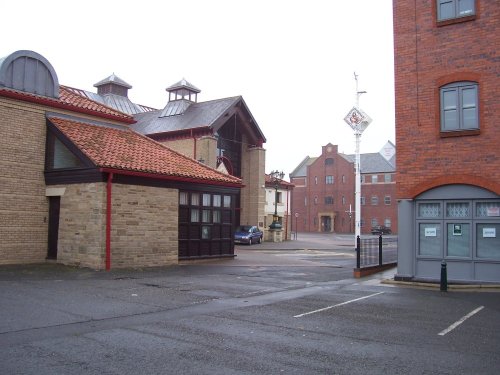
(337, 305)
(460, 321)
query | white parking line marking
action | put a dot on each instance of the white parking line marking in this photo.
(340, 304)
(460, 321)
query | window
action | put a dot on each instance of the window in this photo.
(459, 106)
(329, 161)
(343, 199)
(387, 223)
(387, 199)
(328, 200)
(374, 222)
(343, 179)
(279, 197)
(363, 201)
(315, 180)
(448, 9)
(183, 198)
(374, 200)
(374, 179)
(316, 199)
(387, 178)
(329, 180)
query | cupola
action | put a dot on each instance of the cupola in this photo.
(113, 85)
(180, 96)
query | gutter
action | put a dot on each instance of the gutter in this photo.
(56, 103)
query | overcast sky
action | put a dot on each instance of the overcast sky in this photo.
(292, 61)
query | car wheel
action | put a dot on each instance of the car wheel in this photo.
(259, 240)
(250, 241)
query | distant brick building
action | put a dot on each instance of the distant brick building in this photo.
(447, 80)
(323, 197)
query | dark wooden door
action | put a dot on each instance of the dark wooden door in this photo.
(54, 207)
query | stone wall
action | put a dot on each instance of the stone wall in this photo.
(144, 226)
(144, 229)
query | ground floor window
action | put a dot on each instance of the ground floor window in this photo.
(206, 222)
(465, 229)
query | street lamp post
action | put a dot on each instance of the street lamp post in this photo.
(276, 178)
(358, 121)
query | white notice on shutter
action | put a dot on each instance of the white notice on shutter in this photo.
(430, 232)
(489, 232)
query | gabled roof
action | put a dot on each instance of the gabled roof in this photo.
(372, 163)
(210, 114)
(301, 169)
(126, 150)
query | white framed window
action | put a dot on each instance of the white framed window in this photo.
(387, 200)
(329, 180)
(459, 106)
(374, 178)
(388, 177)
(374, 200)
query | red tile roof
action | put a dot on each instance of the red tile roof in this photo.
(126, 150)
(70, 100)
(70, 97)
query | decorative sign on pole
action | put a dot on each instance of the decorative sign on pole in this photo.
(358, 121)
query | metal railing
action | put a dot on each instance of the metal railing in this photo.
(376, 251)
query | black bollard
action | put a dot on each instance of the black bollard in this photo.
(444, 277)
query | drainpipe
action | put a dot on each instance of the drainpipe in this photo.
(287, 213)
(194, 145)
(108, 221)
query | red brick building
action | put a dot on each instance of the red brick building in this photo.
(447, 69)
(323, 196)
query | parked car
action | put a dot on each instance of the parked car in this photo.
(248, 234)
(381, 229)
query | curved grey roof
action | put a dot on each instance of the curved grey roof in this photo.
(30, 72)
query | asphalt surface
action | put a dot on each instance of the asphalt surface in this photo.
(276, 308)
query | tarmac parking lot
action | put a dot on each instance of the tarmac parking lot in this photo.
(276, 308)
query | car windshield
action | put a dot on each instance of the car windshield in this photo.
(243, 228)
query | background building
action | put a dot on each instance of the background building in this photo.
(282, 205)
(323, 196)
(447, 80)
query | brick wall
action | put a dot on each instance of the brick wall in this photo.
(23, 205)
(426, 58)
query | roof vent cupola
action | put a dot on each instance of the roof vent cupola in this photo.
(180, 96)
(113, 85)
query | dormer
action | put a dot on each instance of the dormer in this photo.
(180, 96)
(113, 85)
(30, 72)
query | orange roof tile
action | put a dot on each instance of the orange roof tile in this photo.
(70, 100)
(124, 149)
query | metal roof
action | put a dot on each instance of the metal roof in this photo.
(195, 116)
(183, 84)
(113, 79)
